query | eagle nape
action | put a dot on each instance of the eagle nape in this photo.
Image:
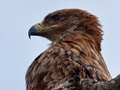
(33, 30)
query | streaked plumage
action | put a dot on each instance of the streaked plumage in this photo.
(75, 50)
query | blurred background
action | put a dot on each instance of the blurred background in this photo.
(17, 51)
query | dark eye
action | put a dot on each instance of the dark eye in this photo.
(52, 19)
(56, 17)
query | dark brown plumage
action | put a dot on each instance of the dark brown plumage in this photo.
(75, 50)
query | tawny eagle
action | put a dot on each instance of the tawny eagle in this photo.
(76, 37)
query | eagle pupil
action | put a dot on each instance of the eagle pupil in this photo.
(57, 18)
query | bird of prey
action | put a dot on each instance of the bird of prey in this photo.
(76, 37)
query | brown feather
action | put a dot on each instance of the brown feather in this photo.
(75, 50)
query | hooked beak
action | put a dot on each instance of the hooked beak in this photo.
(34, 30)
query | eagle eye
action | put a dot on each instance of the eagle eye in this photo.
(56, 17)
(52, 19)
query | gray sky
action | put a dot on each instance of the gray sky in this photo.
(17, 51)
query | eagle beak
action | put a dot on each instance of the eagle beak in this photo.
(34, 30)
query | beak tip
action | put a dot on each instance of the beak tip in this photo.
(29, 35)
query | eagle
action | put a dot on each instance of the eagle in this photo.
(76, 37)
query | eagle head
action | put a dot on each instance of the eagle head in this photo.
(72, 21)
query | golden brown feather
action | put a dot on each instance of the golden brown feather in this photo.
(76, 37)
